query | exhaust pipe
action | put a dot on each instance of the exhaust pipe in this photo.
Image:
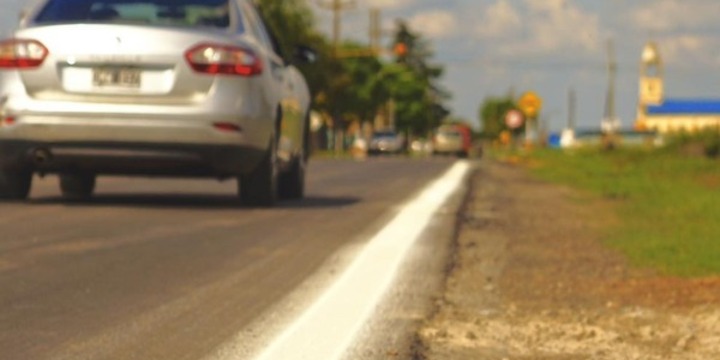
(41, 156)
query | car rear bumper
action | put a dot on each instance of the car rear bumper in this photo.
(448, 147)
(123, 158)
(132, 144)
(385, 148)
(384, 151)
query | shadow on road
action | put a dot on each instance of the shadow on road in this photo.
(191, 201)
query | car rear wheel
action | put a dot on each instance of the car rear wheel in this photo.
(260, 187)
(15, 184)
(292, 183)
(77, 186)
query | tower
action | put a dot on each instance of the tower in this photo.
(610, 122)
(651, 75)
(651, 81)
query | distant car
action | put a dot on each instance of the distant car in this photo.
(421, 147)
(151, 87)
(386, 142)
(452, 140)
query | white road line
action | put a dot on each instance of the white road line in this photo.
(330, 324)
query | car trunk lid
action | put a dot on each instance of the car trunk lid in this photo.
(121, 63)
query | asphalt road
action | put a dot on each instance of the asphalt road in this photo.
(173, 269)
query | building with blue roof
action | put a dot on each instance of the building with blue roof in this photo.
(670, 115)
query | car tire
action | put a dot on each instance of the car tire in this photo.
(15, 184)
(77, 186)
(292, 183)
(260, 187)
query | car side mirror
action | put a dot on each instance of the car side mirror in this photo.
(306, 54)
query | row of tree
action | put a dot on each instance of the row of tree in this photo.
(357, 88)
(492, 115)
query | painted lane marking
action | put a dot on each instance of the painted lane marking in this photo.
(327, 328)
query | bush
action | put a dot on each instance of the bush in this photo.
(703, 143)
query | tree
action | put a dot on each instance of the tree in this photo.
(492, 114)
(367, 91)
(414, 86)
(292, 21)
(356, 88)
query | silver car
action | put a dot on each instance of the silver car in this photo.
(386, 142)
(151, 88)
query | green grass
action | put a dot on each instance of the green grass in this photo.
(668, 204)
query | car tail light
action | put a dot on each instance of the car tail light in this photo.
(224, 59)
(228, 127)
(22, 54)
(7, 121)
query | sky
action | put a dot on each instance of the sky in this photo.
(494, 47)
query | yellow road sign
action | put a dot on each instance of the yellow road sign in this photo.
(530, 104)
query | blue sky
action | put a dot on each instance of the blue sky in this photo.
(492, 46)
(548, 46)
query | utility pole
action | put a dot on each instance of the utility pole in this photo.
(610, 122)
(337, 7)
(572, 103)
(375, 31)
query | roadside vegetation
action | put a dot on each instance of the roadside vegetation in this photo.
(667, 201)
(353, 84)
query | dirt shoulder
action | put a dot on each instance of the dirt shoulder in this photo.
(532, 280)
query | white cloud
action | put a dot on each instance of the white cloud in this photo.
(557, 25)
(681, 30)
(540, 27)
(500, 20)
(434, 24)
(669, 15)
(690, 50)
(388, 4)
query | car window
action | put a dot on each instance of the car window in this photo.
(451, 134)
(258, 27)
(190, 13)
(387, 134)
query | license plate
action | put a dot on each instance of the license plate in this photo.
(116, 77)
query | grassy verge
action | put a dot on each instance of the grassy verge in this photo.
(668, 204)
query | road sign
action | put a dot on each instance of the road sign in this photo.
(530, 104)
(514, 119)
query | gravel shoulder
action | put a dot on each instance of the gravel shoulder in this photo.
(531, 279)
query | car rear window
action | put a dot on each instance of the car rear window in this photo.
(384, 134)
(190, 13)
(450, 133)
